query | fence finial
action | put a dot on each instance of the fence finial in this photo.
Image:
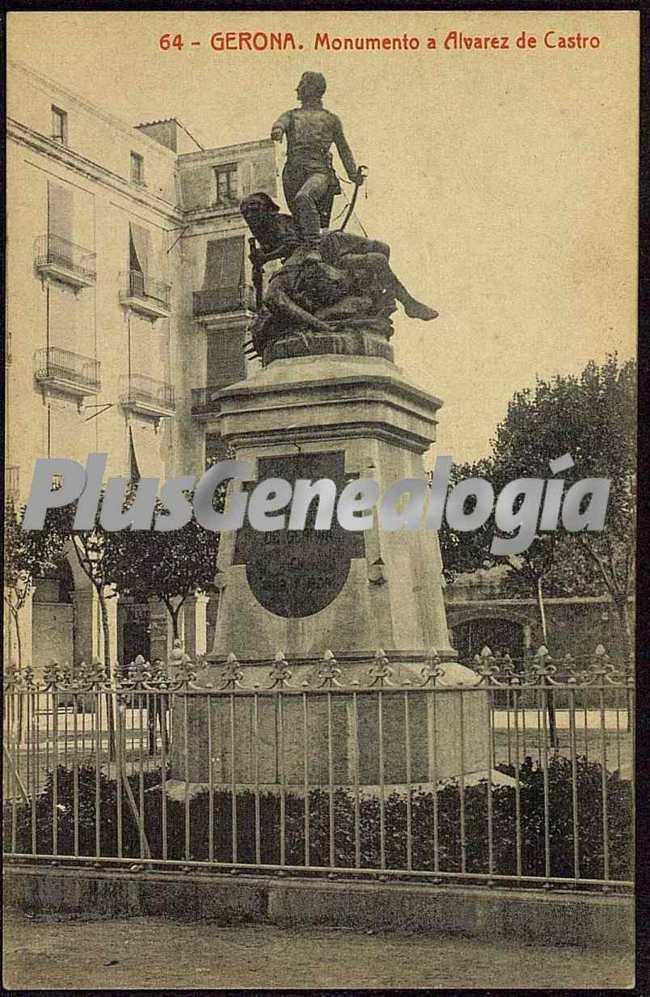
(381, 671)
(431, 670)
(328, 670)
(280, 672)
(231, 672)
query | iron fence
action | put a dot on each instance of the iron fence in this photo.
(430, 773)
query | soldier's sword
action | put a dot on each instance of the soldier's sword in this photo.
(361, 174)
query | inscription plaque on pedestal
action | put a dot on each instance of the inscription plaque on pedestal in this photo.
(296, 573)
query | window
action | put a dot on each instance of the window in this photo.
(59, 125)
(137, 168)
(227, 185)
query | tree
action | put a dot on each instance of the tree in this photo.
(89, 548)
(28, 555)
(166, 565)
(592, 417)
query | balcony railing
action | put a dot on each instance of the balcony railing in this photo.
(65, 261)
(148, 396)
(67, 371)
(217, 300)
(144, 293)
(204, 401)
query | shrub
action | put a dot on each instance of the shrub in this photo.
(344, 846)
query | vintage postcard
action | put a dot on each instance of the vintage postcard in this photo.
(320, 498)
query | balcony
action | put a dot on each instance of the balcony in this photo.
(67, 372)
(145, 295)
(219, 305)
(64, 261)
(204, 401)
(146, 396)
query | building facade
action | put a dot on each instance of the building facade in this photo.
(480, 613)
(129, 293)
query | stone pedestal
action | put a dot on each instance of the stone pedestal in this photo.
(194, 625)
(337, 417)
(350, 593)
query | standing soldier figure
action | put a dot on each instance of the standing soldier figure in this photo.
(308, 177)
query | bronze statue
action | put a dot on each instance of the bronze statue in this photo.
(308, 178)
(349, 281)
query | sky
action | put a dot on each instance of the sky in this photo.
(505, 181)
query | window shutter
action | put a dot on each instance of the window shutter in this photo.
(59, 219)
(224, 263)
(138, 248)
(226, 360)
(134, 469)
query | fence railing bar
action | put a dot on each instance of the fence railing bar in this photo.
(574, 784)
(35, 767)
(233, 780)
(330, 781)
(211, 780)
(356, 780)
(186, 767)
(603, 776)
(547, 827)
(98, 791)
(141, 758)
(490, 756)
(409, 788)
(55, 773)
(432, 740)
(164, 704)
(461, 783)
(75, 776)
(618, 729)
(256, 781)
(113, 707)
(282, 774)
(622, 884)
(305, 741)
(382, 800)
(518, 843)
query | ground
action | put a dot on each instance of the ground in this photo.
(43, 952)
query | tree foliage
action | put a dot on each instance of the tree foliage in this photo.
(592, 417)
(165, 565)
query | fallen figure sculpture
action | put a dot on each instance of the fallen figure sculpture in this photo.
(346, 283)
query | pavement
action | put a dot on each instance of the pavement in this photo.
(46, 953)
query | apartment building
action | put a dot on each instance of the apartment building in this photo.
(129, 294)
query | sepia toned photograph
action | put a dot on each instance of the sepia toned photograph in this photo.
(320, 500)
